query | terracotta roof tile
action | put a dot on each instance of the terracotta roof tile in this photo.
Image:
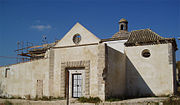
(144, 35)
(121, 35)
(141, 37)
(147, 37)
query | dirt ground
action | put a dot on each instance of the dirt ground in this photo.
(138, 101)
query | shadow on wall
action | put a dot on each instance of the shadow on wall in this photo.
(115, 74)
(178, 75)
(2, 88)
(1, 91)
(136, 86)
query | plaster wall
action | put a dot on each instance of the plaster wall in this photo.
(152, 76)
(79, 53)
(22, 78)
(116, 75)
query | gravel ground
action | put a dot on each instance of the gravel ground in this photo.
(138, 101)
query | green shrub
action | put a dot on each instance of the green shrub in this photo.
(58, 98)
(89, 100)
(19, 97)
(82, 99)
(46, 98)
(12, 97)
(28, 97)
(36, 98)
(3, 97)
(8, 103)
(113, 99)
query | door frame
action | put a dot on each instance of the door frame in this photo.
(73, 80)
(64, 71)
(73, 71)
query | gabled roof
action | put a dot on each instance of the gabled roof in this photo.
(86, 36)
(147, 37)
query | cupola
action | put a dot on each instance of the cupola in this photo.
(123, 25)
(123, 30)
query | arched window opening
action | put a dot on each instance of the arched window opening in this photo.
(122, 27)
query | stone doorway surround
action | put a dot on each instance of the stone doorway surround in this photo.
(76, 71)
(64, 72)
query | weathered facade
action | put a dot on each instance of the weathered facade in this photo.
(130, 64)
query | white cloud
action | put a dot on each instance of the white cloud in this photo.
(41, 27)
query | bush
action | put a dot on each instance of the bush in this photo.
(45, 98)
(89, 100)
(36, 98)
(12, 97)
(113, 99)
(19, 97)
(28, 97)
(8, 103)
(58, 98)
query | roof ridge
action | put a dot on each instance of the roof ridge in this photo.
(143, 35)
(150, 31)
(141, 29)
(156, 34)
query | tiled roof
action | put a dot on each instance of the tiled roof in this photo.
(147, 37)
(144, 35)
(123, 34)
(141, 37)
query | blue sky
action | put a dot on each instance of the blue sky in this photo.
(29, 20)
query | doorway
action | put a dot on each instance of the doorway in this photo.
(76, 82)
(76, 85)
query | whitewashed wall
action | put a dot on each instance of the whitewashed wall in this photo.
(153, 75)
(116, 72)
(22, 78)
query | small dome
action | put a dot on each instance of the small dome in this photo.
(123, 20)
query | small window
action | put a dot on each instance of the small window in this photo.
(6, 72)
(146, 53)
(76, 38)
(122, 27)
